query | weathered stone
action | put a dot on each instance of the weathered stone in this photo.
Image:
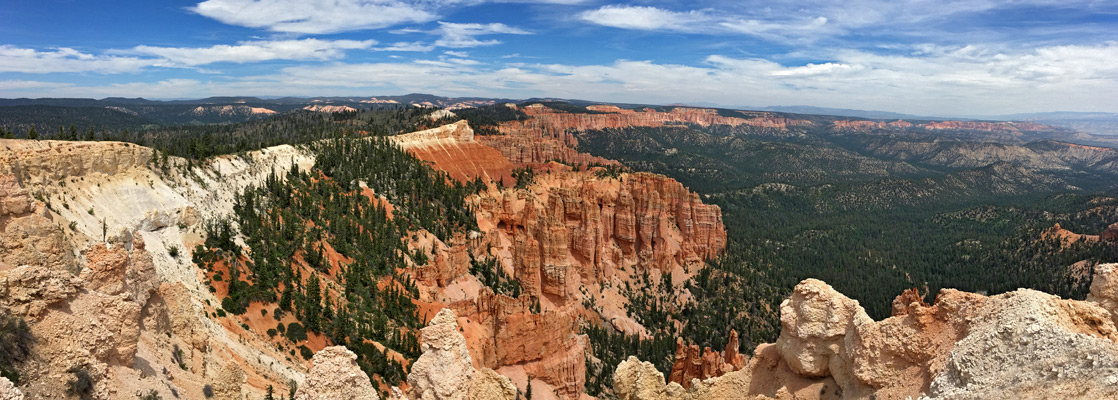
(336, 376)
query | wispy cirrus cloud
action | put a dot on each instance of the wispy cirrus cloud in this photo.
(811, 20)
(253, 51)
(64, 59)
(463, 35)
(315, 16)
(706, 21)
(335, 16)
(115, 61)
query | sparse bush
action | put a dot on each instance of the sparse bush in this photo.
(306, 352)
(152, 395)
(173, 251)
(208, 391)
(81, 385)
(176, 356)
(15, 345)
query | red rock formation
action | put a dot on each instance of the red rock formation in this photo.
(690, 363)
(449, 261)
(575, 228)
(548, 134)
(1066, 237)
(452, 148)
(502, 331)
(1110, 234)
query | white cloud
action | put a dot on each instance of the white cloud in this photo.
(334, 16)
(407, 46)
(305, 49)
(648, 18)
(63, 59)
(456, 35)
(812, 20)
(707, 21)
(68, 60)
(314, 16)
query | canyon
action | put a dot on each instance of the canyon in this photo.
(98, 239)
(130, 227)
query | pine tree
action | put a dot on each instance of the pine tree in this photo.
(312, 307)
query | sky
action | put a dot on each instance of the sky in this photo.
(925, 57)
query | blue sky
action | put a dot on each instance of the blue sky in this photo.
(916, 56)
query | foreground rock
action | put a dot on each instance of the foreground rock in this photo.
(8, 391)
(445, 370)
(336, 376)
(1021, 344)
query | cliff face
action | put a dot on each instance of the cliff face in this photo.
(1014, 345)
(452, 148)
(503, 333)
(87, 233)
(573, 228)
(549, 134)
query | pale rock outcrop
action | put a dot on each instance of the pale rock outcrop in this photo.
(487, 384)
(445, 370)
(1029, 344)
(1104, 289)
(28, 290)
(1021, 344)
(28, 235)
(228, 382)
(814, 322)
(336, 376)
(8, 391)
(639, 380)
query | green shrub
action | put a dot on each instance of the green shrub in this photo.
(306, 352)
(296, 332)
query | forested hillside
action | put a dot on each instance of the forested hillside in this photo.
(871, 221)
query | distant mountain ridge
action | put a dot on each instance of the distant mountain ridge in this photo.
(19, 114)
(847, 112)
